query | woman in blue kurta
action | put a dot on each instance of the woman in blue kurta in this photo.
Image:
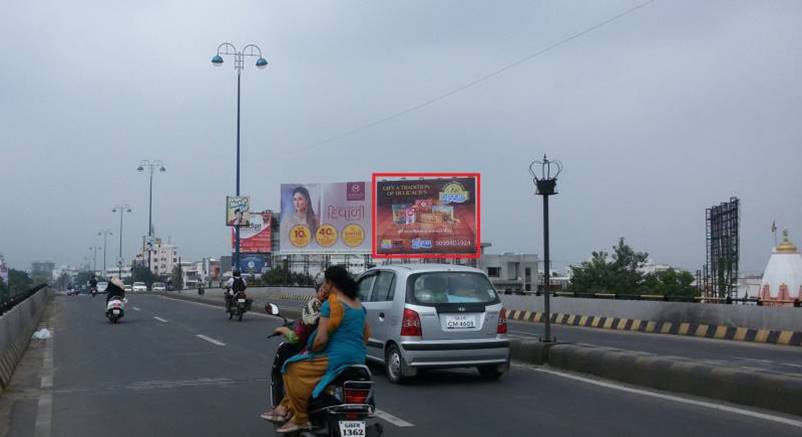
(338, 342)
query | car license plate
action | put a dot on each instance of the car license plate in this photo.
(462, 321)
(241, 300)
(115, 311)
(349, 428)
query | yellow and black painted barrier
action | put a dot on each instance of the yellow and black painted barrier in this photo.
(721, 332)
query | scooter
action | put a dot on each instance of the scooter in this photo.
(346, 405)
(238, 305)
(115, 308)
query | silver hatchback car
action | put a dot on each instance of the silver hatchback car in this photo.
(434, 316)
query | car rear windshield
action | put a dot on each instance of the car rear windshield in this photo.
(433, 288)
(139, 283)
(158, 284)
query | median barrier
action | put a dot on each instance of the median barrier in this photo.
(17, 325)
(763, 390)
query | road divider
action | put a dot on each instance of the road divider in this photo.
(719, 332)
(17, 325)
(737, 385)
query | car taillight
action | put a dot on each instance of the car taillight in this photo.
(502, 322)
(355, 395)
(410, 325)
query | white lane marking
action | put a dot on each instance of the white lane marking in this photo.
(211, 305)
(711, 405)
(160, 319)
(790, 364)
(210, 340)
(392, 419)
(44, 409)
(136, 309)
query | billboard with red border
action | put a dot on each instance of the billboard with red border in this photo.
(256, 236)
(426, 215)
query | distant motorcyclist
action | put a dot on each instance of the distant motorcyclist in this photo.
(235, 285)
(93, 285)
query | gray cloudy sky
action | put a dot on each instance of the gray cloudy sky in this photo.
(656, 116)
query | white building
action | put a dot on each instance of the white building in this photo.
(514, 272)
(782, 280)
(163, 258)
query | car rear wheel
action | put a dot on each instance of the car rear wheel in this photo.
(394, 366)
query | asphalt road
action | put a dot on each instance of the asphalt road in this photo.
(154, 375)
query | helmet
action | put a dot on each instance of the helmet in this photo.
(236, 273)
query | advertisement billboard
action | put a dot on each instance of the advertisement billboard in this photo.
(434, 215)
(253, 263)
(255, 237)
(238, 211)
(325, 218)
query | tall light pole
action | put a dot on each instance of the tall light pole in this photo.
(105, 233)
(151, 166)
(94, 250)
(544, 175)
(251, 50)
(121, 209)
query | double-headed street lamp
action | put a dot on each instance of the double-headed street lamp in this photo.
(250, 50)
(151, 166)
(121, 209)
(105, 233)
(544, 175)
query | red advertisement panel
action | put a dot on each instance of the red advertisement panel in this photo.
(426, 215)
(256, 237)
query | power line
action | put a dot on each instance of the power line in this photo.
(477, 81)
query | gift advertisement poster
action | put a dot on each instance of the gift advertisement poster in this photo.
(426, 215)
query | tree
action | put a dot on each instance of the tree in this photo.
(3, 290)
(606, 274)
(178, 277)
(18, 282)
(141, 273)
(670, 283)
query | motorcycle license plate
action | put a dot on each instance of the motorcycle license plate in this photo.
(241, 300)
(352, 428)
(115, 312)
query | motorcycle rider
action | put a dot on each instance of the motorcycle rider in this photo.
(116, 288)
(233, 286)
(93, 285)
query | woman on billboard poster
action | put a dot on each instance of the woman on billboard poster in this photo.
(303, 213)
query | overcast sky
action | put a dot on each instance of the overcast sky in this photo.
(656, 116)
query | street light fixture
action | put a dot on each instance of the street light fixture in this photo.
(250, 50)
(544, 175)
(121, 209)
(151, 166)
(105, 233)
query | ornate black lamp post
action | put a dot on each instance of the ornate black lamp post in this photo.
(544, 175)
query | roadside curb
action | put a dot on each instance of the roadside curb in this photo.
(739, 386)
(718, 332)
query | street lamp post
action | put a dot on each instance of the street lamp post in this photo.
(544, 175)
(151, 166)
(251, 50)
(94, 250)
(105, 233)
(121, 209)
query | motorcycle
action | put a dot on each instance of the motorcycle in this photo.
(238, 305)
(344, 407)
(115, 308)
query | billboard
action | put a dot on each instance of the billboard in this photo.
(325, 218)
(255, 237)
(253, 263)
(238, 211)
(435, 215)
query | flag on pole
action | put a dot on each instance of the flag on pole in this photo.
(773, 226)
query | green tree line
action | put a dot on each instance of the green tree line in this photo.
(619, 272)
